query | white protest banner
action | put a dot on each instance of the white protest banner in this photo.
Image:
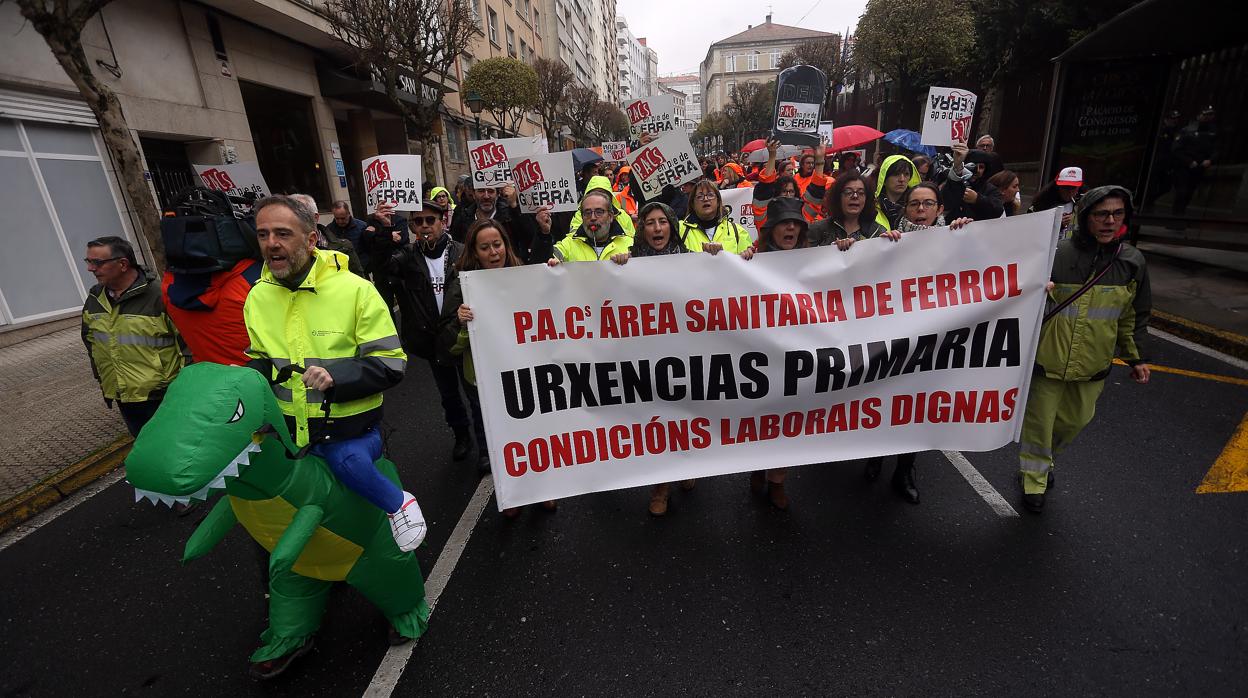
(740, 202)
(602, 376)
(395, 179)
(667, 160)
(546, 181)
(947, 116)
(614, 151)
(488, 160)
(238, 179)
(654, 115)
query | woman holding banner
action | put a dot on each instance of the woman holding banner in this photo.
(707, 228)
(785, 229)
(486, 246)
(850, 208)
(658, 235)
(922, 210)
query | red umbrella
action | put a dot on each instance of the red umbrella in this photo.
(846, 137)
(756, 144)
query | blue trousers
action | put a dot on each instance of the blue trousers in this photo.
(352, 462)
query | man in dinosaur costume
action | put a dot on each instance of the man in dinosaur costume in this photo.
(220, 428)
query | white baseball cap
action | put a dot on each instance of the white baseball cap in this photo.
(1070, 176)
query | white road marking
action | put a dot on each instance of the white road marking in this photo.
(980, 485)
(49, 515)
(1199, 349)
(395, 661)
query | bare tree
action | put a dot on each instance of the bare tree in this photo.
(60, 23)
(411, 43)
(553, 79)
(578, 110)
(607, 122)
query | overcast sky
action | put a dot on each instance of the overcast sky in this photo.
(681, 31)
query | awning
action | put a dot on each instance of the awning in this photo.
(1162, 28)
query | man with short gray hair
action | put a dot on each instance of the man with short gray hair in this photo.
(132, 343)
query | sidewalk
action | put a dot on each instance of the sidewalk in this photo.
(1200, 294)
(52, 418)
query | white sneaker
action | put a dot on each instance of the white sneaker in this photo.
(407, 525)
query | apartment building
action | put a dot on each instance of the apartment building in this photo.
(690, 85)
(750, 56)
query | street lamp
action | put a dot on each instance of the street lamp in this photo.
(475, 105)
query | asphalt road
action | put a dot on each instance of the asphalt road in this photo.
(1129, 584)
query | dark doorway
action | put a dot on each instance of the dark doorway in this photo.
(287, 149)
(169, 167)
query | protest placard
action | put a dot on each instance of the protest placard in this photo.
(239, 179)
(614, 151)
(488, 159)
(546, 181)
(654, 115)
(668, 160)
(825, 133)
(947, 116)
(800, 90)
(685, 366)
(395, 179)
(740, 204)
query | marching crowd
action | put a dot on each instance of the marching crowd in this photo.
(343, 306)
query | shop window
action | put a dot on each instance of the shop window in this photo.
(284, 134)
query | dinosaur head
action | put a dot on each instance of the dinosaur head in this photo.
(205, 430)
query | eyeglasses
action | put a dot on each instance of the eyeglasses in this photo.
(97, 263)
(923, 203)
(426, 220)
(594, 212)
(1102, 216)
(705, 196)
(854, 193)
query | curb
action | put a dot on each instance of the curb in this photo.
(56, 488)
(1226, 342)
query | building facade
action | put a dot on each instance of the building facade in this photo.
(691, 87)
(750, 56)
(678, 105)
(652, 68)
(583, 36)
(633, 63)
(208, 82)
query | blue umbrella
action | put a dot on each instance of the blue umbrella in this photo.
(582, 157)
(905, 138)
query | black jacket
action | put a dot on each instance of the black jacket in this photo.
(418, 306)
(378, 245)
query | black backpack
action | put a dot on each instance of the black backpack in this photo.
(207, 231)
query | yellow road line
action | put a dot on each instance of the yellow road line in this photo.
(1230, 471)
(1193, 374)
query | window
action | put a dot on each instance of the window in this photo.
(697, 98)
(537, 22)
(494, 27)
(524, 51)
(218, 43)
(511, 42)
(730, 64)
(751, 61)
(730, 87)
(476, 12)
(456, 146)
(775, 59)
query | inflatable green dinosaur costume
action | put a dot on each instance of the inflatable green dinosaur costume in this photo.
(219, 428)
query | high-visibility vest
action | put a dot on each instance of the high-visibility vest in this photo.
(575, 248)
(733, 237)
(132, 343)
(332, 315)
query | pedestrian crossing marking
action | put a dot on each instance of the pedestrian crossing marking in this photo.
(1230, 471)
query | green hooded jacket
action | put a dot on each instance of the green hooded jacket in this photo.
(881, 217)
